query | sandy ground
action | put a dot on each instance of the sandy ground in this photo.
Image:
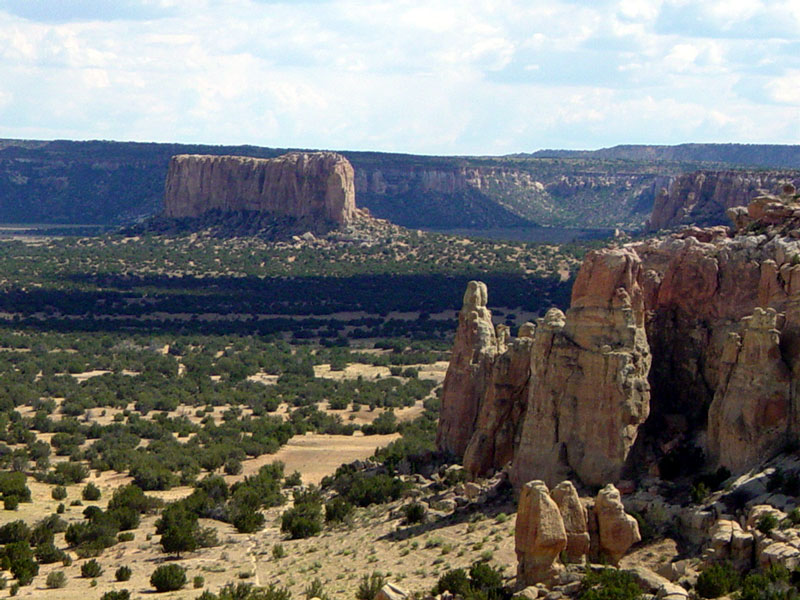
(316, 455)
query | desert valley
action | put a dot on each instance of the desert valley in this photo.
(251, 384)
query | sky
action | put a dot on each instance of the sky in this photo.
(449, 77)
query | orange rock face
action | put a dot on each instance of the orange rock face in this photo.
(657, 332)
(318, 186)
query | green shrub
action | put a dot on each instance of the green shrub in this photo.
(10, 502)
(116, 595)
(717, 580)
(414, 512)
(316, 590)
(91, 569)
(90, 493)
(47, 553)
(56, 579)
(370, 585)
(304, 519)
(126, 536)
(198, 581)
(20, 561)
(123, 573)
(609, 584)
(278, 551)
(337, 510)
(767, 522)
(293, 480)
(167, 578)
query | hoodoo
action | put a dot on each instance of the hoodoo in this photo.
(316, 186)
(690, 339)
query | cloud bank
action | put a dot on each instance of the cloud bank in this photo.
(433, 76)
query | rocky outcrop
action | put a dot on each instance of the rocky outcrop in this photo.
(539, 535)
(657, 332)
(589, 391)
(618, 530)
(703, 197)
(469, 373)
(567, 395)
(576, 522)
(750, 415)
(501, 410)
(318, 186)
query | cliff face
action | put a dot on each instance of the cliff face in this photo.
(317, 186)
(720, 313)
(703, 197)
(504, 196)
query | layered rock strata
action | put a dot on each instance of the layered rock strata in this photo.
(703, 197)
(317, 186)
(658, 331)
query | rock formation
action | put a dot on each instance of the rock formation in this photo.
(539, 535)
(703, 197)
(576, 522)
(658, 331)
(485, 389)
(750, 414)
(589, 390)
(618, 530)
(468, 375)
(316, 186)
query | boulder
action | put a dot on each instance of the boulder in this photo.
(391, 592)
(618, 531)
(539, 535)
(575, 519)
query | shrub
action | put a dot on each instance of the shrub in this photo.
(10, 502)
(47, 553)
(20, 561)
(116, 595)
(293, 480)
(15, 531)
(337, 509)
(370, 585)
(304, 519)
(233, 466)
(609, 584)
(167, 578)
(414, 512)
(91, 492)
(126, 536)
(91, 569)
(123, 573)
(278, 551)
(717, 580)
(316, 590)
(766, 523)
(60, 509)
(198, 581)
(56, 579)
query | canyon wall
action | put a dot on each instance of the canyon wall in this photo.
(317, 186)
(703, 197)
(689, 339)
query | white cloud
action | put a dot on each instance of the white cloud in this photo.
(407, 75)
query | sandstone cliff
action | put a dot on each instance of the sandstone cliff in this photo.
(693, 339)
(318, 186)
(703, 197)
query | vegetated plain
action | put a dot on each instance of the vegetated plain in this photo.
(149, 381)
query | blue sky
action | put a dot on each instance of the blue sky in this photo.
(418, 76)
